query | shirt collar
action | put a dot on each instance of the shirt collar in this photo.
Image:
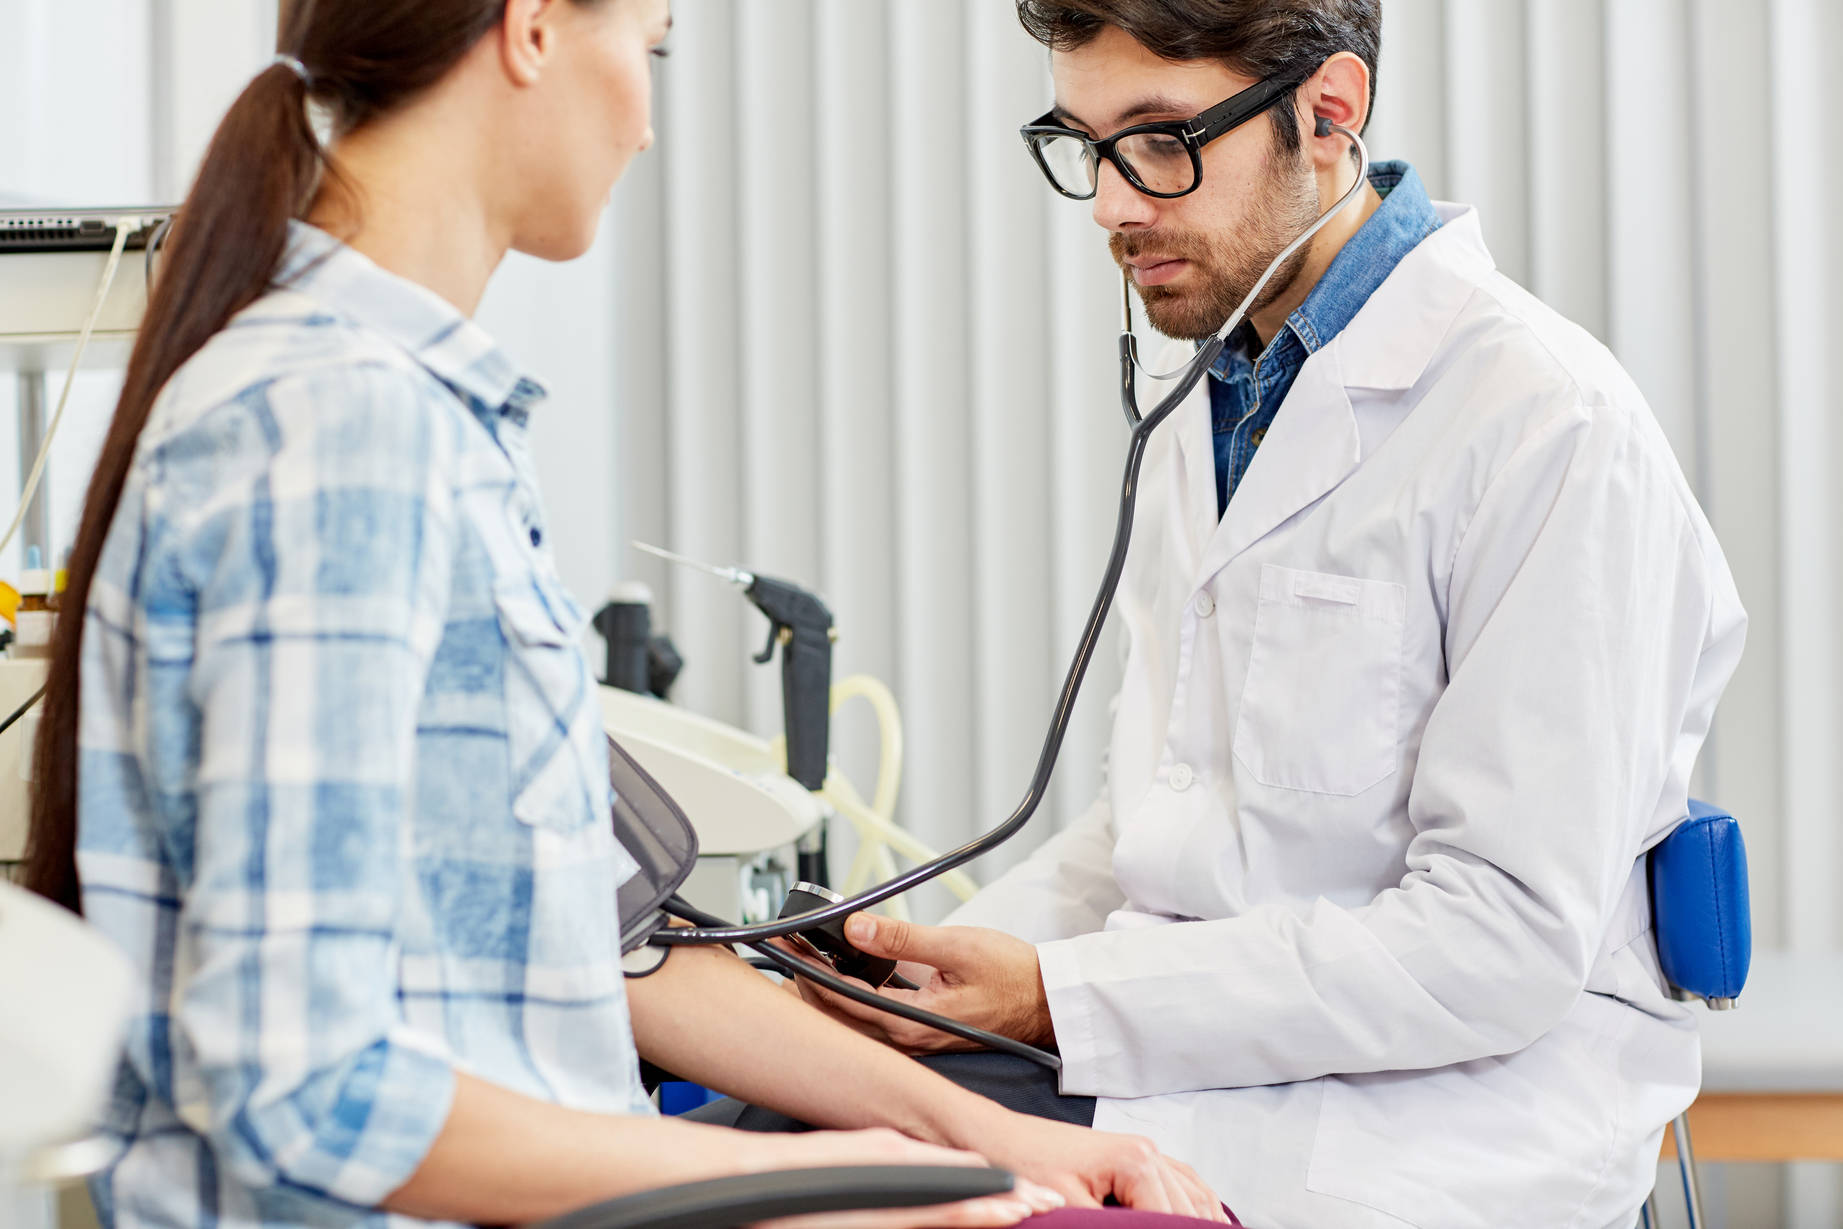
(430, 329)
(1405, 217)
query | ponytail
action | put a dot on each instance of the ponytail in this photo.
(222, 252)
(358, 58)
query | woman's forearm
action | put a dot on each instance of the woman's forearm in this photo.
(503, 1158)
(711, 1018)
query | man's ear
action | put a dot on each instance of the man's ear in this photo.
(527, 39)
(1339, 92)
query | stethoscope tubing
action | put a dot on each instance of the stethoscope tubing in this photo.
(789, 965)
(757, 933)
(1059, 721)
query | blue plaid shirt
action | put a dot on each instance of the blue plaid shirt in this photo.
(1250, 383)
(344, 790)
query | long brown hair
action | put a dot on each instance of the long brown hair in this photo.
(360, 59)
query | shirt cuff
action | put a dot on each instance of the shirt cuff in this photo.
(389, 1112)
(1071, 1013)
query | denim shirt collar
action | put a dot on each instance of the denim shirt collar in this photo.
(1405, 217)
(432, 330)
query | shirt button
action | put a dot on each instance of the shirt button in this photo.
(537, 535)
(1180, 777)
(1206, 605)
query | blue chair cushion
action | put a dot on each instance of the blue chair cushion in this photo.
(1699, 904)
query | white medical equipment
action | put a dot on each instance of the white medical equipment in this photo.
(64, 997)
(71, 298)
(20, 682)
(748, 812)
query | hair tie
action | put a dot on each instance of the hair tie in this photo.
(296, 67)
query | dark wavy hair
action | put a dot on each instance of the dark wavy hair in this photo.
(1256, 38)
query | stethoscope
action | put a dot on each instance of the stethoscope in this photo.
(705, 929)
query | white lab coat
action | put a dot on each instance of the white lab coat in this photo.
(1358, 926)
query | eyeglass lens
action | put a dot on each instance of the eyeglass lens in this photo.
(1159, 161)
(1070, 164)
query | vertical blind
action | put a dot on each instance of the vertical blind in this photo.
(875, 357)
(859, 344)
(849, 338)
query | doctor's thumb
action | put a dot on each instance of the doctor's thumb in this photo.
(882, 936)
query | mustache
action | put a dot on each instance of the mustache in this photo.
(1167, 245)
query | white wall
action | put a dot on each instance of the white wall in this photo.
(887, 375)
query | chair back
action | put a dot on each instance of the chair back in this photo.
(1699, 906)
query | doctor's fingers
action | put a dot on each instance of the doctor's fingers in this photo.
(890, 1029)
(844, 1011)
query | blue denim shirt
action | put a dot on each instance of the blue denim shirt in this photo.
(1248, 388)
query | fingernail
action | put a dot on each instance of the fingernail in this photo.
(860, 928)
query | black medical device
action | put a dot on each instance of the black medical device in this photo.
(637, 660)
(800, 623)
(706, 929)
(829, 939)
(77, 230)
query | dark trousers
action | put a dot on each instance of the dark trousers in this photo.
(1015, 1083)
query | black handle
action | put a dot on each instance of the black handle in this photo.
(806, 703)
(724, 1203)
(627, 629)
(802, 625)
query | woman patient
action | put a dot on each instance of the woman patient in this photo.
(336, 780)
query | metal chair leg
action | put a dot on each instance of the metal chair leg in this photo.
(1647, 1213)
(1686, 1166)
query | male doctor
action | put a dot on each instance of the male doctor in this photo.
(1425, 631)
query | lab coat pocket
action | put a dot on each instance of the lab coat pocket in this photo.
(1320, 706)
(548, 689)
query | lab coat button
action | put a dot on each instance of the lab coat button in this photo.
(1180, 777)
(1206, 605)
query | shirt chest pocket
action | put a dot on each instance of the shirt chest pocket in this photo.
(553, 727)
(1321, 704)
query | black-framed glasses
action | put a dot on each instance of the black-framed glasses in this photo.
(1163, 160)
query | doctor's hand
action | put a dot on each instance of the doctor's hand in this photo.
(985, 978)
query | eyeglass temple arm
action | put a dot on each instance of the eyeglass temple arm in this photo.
(1231, 113)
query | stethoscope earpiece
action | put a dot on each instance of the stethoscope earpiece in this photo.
(1324, 127)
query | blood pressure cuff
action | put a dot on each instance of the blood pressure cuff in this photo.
(657, 835)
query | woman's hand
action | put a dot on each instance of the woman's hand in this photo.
(715, 1021)
(821, 1149)
(1086, 1166)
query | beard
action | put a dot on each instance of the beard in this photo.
(1225, 267)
